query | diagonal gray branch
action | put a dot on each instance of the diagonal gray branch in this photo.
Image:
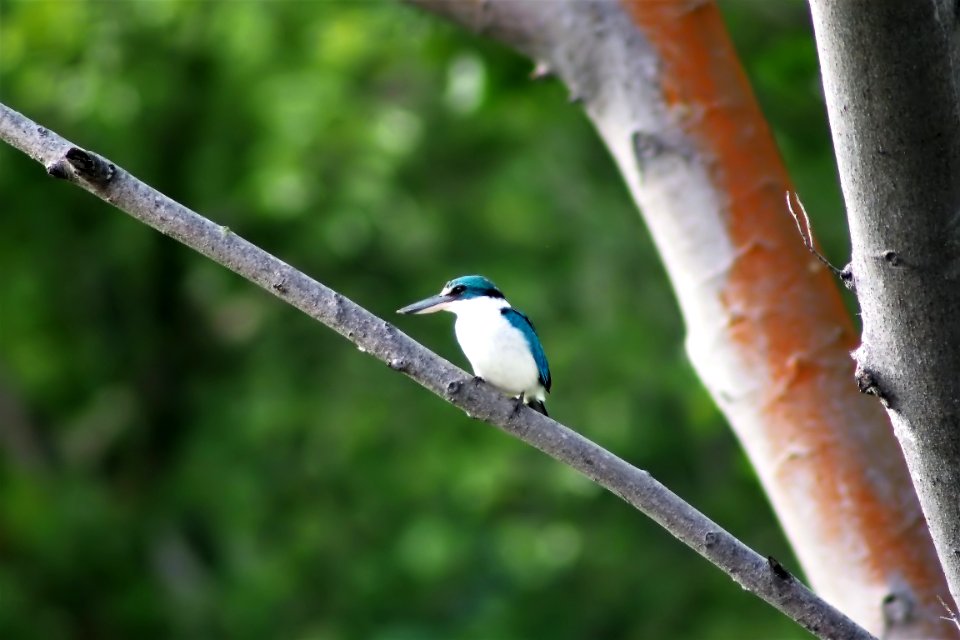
(764, 577)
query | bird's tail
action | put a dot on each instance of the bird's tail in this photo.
(538, 406)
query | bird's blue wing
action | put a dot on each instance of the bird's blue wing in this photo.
(523, 324)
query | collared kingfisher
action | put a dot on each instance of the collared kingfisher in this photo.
(499, 341)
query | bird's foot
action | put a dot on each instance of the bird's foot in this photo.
(517, 404)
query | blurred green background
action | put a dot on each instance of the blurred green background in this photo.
(183, 456)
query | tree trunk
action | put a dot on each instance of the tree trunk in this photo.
(767, 331)
(892, 101)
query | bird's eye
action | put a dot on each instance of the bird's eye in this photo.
(457, 290)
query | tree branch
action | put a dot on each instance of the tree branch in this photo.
(891, 92)
(767, 331)
(761, 576)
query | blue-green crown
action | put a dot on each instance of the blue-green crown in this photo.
(473, 287)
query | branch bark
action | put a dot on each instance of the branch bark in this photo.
(767, 330)
(892, 99)
(761, 576)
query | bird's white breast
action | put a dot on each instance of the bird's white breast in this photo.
(497, 351)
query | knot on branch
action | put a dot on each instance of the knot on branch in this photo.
(892, 258)
(846, 277)
(58, 169)
(710, 539)
(869, 384)
(89, 166)
(779, 571)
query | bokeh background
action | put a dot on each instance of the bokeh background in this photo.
(183, 456)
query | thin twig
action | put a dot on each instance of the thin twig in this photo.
(952, 616)
(806, 233)
(383, 341)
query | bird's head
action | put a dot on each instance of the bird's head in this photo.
(457, 290)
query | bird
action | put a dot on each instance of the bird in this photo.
(500, 342)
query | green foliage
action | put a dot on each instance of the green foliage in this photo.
(184, 456)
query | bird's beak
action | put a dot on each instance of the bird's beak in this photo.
(430, 305)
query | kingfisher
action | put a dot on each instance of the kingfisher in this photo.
(499, 341)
